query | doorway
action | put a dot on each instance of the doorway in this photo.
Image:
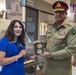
(45, 20)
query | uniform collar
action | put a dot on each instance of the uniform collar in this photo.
(65, 22)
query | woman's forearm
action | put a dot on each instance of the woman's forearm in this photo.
(6, 61)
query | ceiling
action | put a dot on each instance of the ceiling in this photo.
(67, 1)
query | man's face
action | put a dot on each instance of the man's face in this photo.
(60, 15)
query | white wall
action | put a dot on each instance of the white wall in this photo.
(2, 5)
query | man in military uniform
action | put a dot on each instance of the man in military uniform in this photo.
(60, 43)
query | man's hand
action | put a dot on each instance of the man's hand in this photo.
(37, 41)
(74, 60)
(33, 57)
(45, 54)
(74, 64)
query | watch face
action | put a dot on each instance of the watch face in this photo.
(39, 45)
(39, 51)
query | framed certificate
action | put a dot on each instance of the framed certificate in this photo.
(39, 48)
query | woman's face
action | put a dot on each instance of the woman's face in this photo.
(17, 29)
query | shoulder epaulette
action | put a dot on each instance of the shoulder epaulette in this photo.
(49, 24)
(71, 24)
(52, 23)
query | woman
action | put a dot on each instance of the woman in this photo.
(12, 49)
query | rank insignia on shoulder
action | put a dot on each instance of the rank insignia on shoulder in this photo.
(52, 23)
(73, 31)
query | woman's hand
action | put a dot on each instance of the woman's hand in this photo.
(22, 53)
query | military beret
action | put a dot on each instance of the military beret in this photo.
(60, 6)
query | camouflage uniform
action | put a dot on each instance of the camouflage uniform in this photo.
(61, 46)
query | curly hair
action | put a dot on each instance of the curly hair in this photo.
(10, 32)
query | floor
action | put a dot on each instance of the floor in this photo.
(73, 71)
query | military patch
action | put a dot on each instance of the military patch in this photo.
(61, 33)
(73, 31)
